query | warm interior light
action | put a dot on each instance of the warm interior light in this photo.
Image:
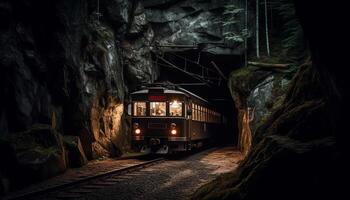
(173, 132)
(137, 131)
(174, 104)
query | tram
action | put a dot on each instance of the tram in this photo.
(167, 119)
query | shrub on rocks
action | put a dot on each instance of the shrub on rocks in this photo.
(35, 154)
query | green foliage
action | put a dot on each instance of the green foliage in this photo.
(233, 36)
(229, 20)
(293, 40)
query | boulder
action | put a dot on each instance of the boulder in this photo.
(38, 154)
(256, 93)
(75, 152)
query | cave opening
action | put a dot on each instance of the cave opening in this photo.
(68, 68)
(194, 70)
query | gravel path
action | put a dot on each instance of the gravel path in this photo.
(173, 179)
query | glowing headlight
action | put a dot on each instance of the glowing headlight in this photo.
(136, 125)
(137, 131)
(173, 132)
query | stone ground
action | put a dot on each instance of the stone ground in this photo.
(172, 179)
(175, 178)
(70, 175)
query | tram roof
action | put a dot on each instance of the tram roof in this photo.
(170, 91)
(166, 91)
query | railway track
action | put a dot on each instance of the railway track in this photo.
(76, 189)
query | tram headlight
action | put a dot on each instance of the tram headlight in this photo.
(173, 129)
(173, 132)
(136, 125)
(137, 131)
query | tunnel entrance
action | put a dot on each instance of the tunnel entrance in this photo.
(205, 74)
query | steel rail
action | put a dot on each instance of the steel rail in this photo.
(43, 191)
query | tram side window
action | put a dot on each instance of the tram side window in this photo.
(139, 108)
(195, 112)
(158, 108)
(199, 113)
(175, 108)
(206, 115)
(202, 114)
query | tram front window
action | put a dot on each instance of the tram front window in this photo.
(139, 108)
(175, 108)
(158, 108)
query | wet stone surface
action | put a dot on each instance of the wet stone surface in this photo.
(173, 179)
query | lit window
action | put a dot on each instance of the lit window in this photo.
(194, 112)
(158, 108)
(206, 114)
(139, 108)
(175, 108)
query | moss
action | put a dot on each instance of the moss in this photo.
(296, 130)
(242, 81)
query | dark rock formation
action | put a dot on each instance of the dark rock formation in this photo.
(34, 155)
(63, 66)
(192, 22)
(290, 151)
(257, 93)
(68, 67)
(76, 155)
(300, 151)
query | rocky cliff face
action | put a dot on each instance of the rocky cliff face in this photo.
(194, 22)
(257, 93)
(301, 151)
(66, 70)
(69, 70)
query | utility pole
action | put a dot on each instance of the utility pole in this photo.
(267, 31)
(98, 11)
(257, 29)
(246, 34)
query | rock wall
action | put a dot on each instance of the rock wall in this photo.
(302, 151)
(257, 93)
(178, 22)
(67, 68)
(68, 65)
(290, 147)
